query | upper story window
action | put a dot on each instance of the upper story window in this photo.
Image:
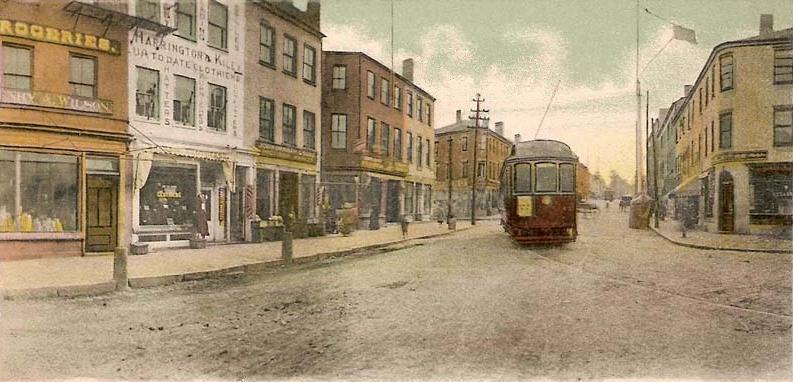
(420, 109)
(289, 125)
(218, 25)
(309, 130)
(547, 178)
(410, 147)
(309, 64)
(727, 67)
(339, 77)
(427, 151)
(290, 55)
(266, 119)
(783, 66)
(370, 134)
(398, 143)
(185, 18)
(83, 76)
(385, 87)
(216, 112)
(429, 114)
(420, 152)
(184, 100)
(267, 45)
(783, 126)
(17, 67)
(385, 137)
(370, 85)
(148, 9)
(338, 131)
(397, 98)
(464, 144)
(409, 104)
(725, 131)
(147, 93)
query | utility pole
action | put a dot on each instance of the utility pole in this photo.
(477, 112)
(655, 176)
(449, 175)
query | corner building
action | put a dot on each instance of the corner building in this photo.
(377, 139)
(735, 136)
(64, 179)
(283, 106)
(186, 115)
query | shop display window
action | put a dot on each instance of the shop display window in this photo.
(48, 196)
(773, 193)
(169, 196)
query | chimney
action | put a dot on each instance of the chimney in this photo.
(459, 115)
(517, 138)
(500, 128)
(766, 25)
(687, 89)
(407, 69)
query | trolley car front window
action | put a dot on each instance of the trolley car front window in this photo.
(546, 177)
(522, 178)
(566, 177)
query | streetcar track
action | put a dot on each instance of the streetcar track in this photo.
(664, 291)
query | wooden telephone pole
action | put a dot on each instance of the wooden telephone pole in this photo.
(478, 116)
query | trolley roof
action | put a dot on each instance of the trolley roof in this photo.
(542, 148)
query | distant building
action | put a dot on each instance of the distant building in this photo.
(735, 136)
(493, 149)
(376, 139)
(583, 181)
(64, 171)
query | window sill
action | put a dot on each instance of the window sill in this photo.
(224, 50)
(267, 65)
(309, 82)
(290, 74)
(185, 37)
(41, 236)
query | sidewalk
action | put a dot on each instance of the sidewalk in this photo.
(670, 230)
(90, 275)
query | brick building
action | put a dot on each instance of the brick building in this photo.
(376, 139)
(64, 173)
(493, 149)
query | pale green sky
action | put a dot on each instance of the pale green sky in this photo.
(514, 52)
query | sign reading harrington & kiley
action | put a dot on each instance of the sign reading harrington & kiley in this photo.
(58, 36)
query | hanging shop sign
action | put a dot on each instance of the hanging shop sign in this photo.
(58, 36)
(169, 191)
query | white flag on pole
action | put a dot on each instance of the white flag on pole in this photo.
(685, 34)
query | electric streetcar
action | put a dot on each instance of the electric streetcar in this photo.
(538, 185)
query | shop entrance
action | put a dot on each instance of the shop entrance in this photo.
(208, 200)
(238, 206)
(392, 204)
(101, 213)
(726, 203)
(287, 195)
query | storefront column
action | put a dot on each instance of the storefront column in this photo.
(276, 192)
(740, 177)
(83, 204)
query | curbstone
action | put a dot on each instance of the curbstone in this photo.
(146, 282)
(711, 248)
(87, 290)
(14, 294)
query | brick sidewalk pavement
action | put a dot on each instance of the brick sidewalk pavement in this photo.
(94, 274)
(670, 230)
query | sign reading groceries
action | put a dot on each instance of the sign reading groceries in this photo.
(58, 36)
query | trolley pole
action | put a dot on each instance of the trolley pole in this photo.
(477, 112)
(449, 176)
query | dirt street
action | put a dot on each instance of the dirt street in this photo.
(617, 303)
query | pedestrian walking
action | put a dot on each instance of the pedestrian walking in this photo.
(404, 225)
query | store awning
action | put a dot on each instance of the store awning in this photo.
(691, 187)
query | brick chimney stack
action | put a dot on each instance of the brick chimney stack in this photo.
(500, 128)
(407, 69)
(517, 138)
(766, 25)
(459, 115)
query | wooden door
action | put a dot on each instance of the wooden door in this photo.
(726, 203)
(101, 213)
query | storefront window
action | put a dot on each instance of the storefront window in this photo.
(308, 196)
(408, 198)
(263, 193)
(48, 197)
(169, 196)
(546, 177)
(773, 193)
